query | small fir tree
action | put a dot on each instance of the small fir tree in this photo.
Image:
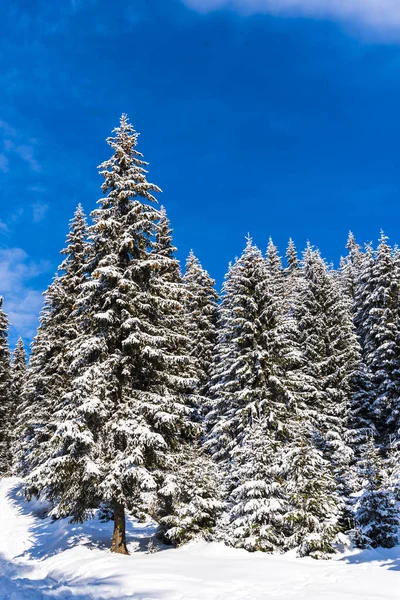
(6, 398)
(376, 515)
(313, 517)
(258, 497)
(191, 499)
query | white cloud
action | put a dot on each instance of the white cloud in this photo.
(3, 163)
(39, 210)
(23, 314)
(14, 144)
(22, 302)
(3, 227)
(26, 153)
(379, 16)
(7, 129)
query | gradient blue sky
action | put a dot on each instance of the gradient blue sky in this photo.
(274, 117)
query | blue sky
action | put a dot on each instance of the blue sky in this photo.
(274, 117)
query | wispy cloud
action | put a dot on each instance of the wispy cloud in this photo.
(381, 17)
(39, 210)
(14, 144)
(26, 153)
(3, 163)
(8, 131)
(22, 301)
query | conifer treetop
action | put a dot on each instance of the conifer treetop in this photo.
(291, 257)
(274, 262)
(124, 172)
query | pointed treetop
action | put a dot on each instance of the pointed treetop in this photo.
(19, 354)
(291, 256)
(75, 242)
(77, 226)
(164, 243)
(249, 240)
(125, 128)
(312, 263)
(196, 269)
(383, 239)
(351, 241)
(192, 261)
(308, 251)
(124, 172)
(20, 344)
(274, 262)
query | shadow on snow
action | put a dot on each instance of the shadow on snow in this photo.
(50, 537)
(383, 557)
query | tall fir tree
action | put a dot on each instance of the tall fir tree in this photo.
(331, 359)
(256, 381)
(274, 265)
(129, 406)
(48, 376)
(350, 266)
(6, 397)
(18, 380)
(379, 330)
(239, 388)
(18, 372)
(292, 259)
(362, 425)
(201, 309)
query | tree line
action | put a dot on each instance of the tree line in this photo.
(267, 417)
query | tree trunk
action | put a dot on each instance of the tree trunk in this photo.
(118, 543)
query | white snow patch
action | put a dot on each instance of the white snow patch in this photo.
(45, 560)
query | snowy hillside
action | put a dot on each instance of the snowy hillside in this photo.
(43, 560)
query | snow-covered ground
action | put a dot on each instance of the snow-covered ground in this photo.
(42, 560)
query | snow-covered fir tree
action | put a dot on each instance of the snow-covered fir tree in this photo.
(362, 424)
(378, 325)
(350, 265)
(331, 359)
(274, 267)
(248, 376)
(376, 516)
(6, 397)
(312, 519)
(18, 379)
(18, 372)
(292, 259)
(392, 468)
(256, 381)
(129, 404)
(259, 500)
(201, 309)
(192, 497)
(363, 293)
(48, 376)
